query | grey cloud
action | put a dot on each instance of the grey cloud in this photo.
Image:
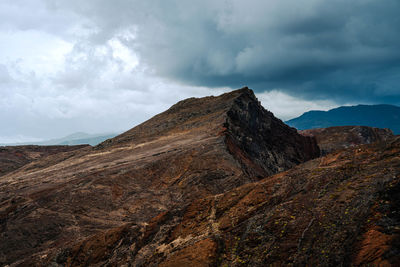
(34, 15)
(307, 48)
(309, 53)
(94, 92)
(4, 75)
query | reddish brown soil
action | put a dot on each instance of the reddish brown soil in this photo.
(210, 182)
(340, 210)
(339, 137)
(14, 157)
(197, 148)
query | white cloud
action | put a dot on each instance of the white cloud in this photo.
(113, 97)
(287, 107)
(35, 51)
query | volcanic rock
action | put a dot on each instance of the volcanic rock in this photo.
(199, 147)
(339, 210)
(14, 157)
(339, 137)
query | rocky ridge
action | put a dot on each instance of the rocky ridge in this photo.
(199, 147)
(338, 210)
(340, 137)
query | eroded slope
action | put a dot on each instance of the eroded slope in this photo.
(198, 147)
(339, 210)
(339, 137)
(14, 157)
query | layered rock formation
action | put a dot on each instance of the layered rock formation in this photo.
(197, 148)
(14, 157)
(339, 137)
(339, 210)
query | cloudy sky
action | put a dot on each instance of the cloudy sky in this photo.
(104, 66)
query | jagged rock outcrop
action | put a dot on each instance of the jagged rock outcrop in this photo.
(199, 147)
(253, 135)
(339, 210)
(14, 157)
(339, 137)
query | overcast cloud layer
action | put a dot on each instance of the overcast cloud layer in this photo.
(104, 66)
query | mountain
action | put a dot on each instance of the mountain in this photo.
(339, 210)
(80, 138)
(213, 181)
(72, 139)
(379, 116)
(335, 138)
(199, 148)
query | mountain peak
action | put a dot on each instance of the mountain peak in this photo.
(239, 118)
(196, 183)
(209, 111)
(197, 148)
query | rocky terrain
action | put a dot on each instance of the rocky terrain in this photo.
(70, 209)
(339, 137)
(14, 157)
(214, 181)
(342, 209)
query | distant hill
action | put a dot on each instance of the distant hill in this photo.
(380, 116)
(80, 138)
(72, 139)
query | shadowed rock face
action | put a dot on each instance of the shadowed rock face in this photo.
(14, 157)
(339, 137)
(256, 133)
(339, 210)
(197, 148)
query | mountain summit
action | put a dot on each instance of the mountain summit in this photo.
(197, 148)
(262, 143)
(213, 181)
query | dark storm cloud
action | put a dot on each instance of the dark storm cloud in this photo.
(344, 50)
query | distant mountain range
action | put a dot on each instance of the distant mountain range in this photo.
(72, 139)
(380, 116)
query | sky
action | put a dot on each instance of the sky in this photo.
(101, 66)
